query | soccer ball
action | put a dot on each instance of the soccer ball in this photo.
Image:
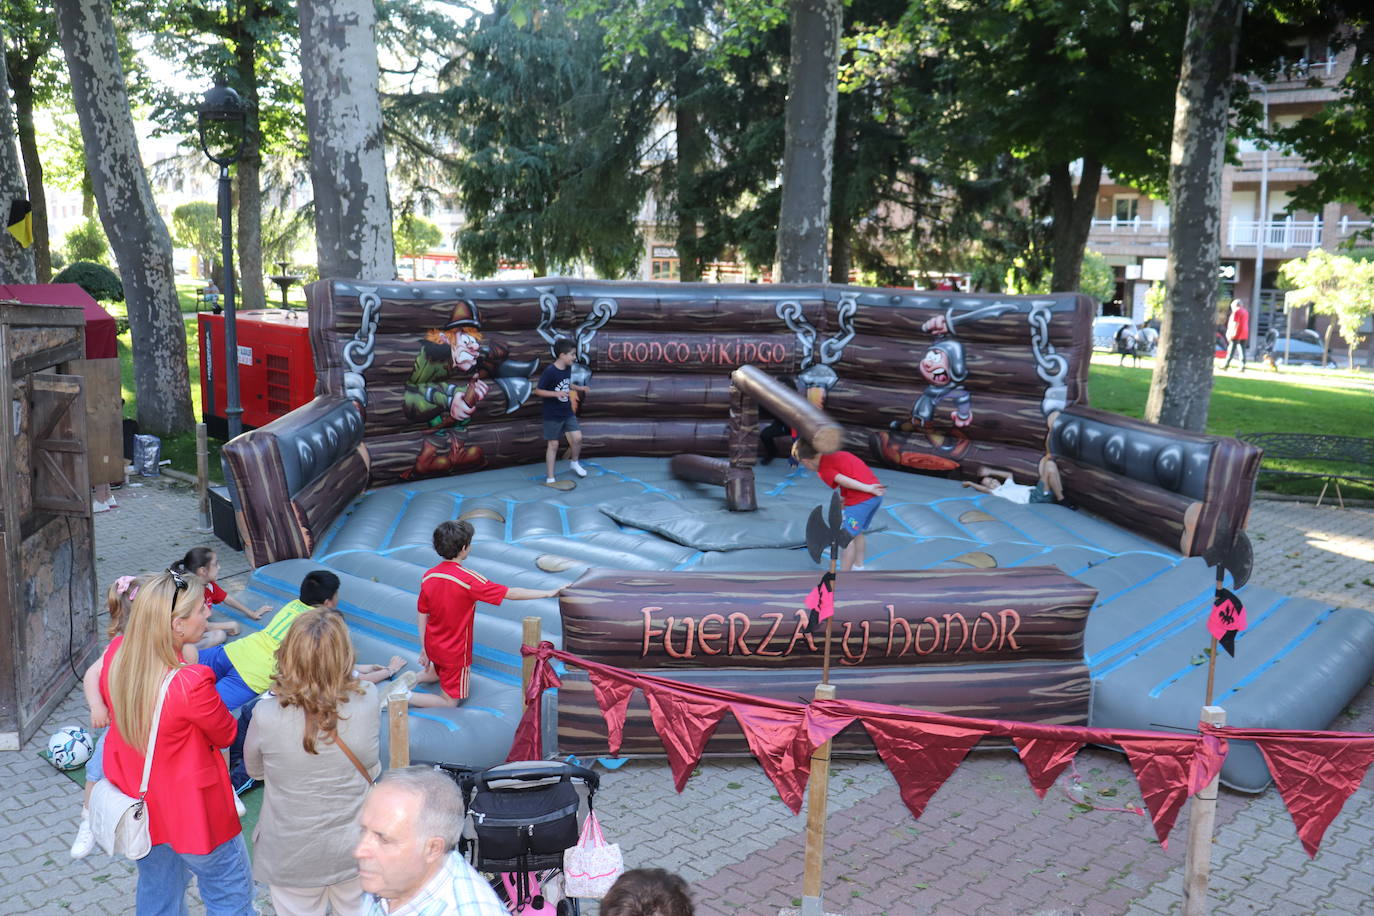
(70, 747)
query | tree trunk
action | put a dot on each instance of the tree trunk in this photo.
(804, 220)
(252, 295)
(1182, 383)
(33, 175)
(87, 194)
(16, 261)
(1073, 220)
(343, 114)
(841, 219)
(138, 236)
(691, 156)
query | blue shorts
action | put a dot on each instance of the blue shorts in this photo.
(555, 428)
(859, 516)
(95, 767)
(229, 684)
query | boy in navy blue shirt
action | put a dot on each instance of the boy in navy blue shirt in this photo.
(560, 397)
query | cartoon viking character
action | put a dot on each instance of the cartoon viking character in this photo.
(944, 367)
(443, 391)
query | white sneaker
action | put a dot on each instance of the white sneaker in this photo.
(238, 806)
(577, 468)
(857, 567)
(401, 686)
(550, 481)
(85, 840)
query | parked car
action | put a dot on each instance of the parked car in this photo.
(1106, 327)
(1302, 349)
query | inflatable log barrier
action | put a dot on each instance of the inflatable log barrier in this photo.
(985, 642)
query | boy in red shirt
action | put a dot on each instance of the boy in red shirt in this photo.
(859, 490)
(447, 606)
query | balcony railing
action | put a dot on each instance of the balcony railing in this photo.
(1289, 233)
(1133, 226)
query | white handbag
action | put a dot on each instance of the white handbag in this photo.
(593, 865)
(120, 823)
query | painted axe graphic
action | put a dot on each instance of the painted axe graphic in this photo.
(513, 378)
(826, 529)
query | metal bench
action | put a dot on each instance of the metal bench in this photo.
(1314, 447)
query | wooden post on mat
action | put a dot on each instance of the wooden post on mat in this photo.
(398, 716)
(530, 636)
(1197, 863)
(817, 791)
(203, 477)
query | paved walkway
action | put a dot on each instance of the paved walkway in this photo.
(985, 845)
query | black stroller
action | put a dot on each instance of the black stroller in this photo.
(521, 817)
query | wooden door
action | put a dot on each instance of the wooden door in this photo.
(61, 481)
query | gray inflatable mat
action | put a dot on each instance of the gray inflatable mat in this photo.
(703, 523)
(1296, 667)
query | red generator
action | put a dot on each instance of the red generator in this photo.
(276, 372)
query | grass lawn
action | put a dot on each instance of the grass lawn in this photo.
(1332, 403)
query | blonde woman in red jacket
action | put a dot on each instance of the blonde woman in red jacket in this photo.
(191, 814)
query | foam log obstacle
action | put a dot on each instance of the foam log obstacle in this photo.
(810, 422)
(983, 642)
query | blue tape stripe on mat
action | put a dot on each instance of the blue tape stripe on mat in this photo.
(1130, 588)
(1017, 528)
(1277, 656)
(1254, 625)
(430, 717)
(340, 522)
(1028, 557)
(691, 561)
(1183, 612)
(396, 521)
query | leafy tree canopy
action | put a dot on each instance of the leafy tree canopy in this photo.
(1334, 285)
(196, 226)
(1339, 139)
(416, 235)
(551, 173)
(87, 242)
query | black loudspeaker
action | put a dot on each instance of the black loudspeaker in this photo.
(222, 518)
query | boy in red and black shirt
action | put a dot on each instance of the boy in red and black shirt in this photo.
(859, 489)
(447, 605)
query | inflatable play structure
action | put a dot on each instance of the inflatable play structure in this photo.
(970, 604)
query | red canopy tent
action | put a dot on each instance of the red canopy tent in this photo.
(100, 326)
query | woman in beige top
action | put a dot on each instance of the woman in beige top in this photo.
(303, 847)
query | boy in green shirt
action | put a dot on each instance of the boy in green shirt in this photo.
(244, 667)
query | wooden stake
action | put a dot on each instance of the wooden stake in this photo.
(530, 636)
(817, 792)
(203, 476)
(1197, 863)
(1211, 671)
(398, 714)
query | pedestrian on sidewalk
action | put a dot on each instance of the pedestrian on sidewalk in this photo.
(1237, 333)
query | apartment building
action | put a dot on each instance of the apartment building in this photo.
(1258, 232)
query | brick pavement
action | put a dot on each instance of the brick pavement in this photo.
(985, 845)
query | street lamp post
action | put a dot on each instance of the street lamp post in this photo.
(222, 125)
(1262, 206)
